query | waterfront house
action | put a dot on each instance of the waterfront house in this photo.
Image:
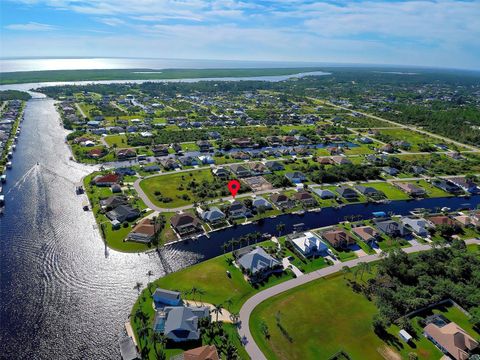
(451, 339)
(113, 201)
(106, 180)
(305, 198)
(308, 244)
(163, 297)
(447, 186)
(347, 192)
(441, 220)
(465, 185)
(411, 189)
(237, 210)
(145, 231)
(418, 226)
(392, 228)
(338, 238)
(280, 200)
(214, 215)
(257, 263)
(123, 213)
(185, 223)
(324, 194)
(180, 323)
(369, 191)
(366, 233)
(259, 202)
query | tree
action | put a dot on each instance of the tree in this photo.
(280, 228)
(149, 274)
(138, 286)
(217, 309)
(264, 329)
(345, 271)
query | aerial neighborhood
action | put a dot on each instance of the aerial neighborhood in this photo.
(374, 188)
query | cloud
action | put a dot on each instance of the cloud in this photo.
(31, 26)
(111, 21)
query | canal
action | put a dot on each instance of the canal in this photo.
(63, 294)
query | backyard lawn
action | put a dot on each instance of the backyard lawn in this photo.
(119, 140)
(174, 186)
(212, 286)
(322, 318)
(390, 191)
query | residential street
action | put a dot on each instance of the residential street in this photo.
(244, 330)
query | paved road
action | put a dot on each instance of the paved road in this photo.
(245, 312)
(409, 127)
(152, 206)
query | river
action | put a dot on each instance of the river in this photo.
(63, 294)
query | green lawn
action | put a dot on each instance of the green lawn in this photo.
(115, 238)
(390, 191)
(168, 186)
(119, 140)
(214, 287)
(432, 191)
(322, 318)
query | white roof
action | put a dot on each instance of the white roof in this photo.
(405, 335)
(307, 242)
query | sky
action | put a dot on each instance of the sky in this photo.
(443, 33)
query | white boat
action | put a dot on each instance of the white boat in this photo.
(9, 165)
(445, 209)
(14, 147)
(2, 200)
(3, 178)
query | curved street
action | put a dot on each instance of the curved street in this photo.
(245, 312)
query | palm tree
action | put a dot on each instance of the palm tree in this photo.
(193, 292)
(149, 274)
(159, 339)
(346, 270)
(280, 227)
(143, 333)
(228, 303)
(225, 247)
(138, 286)
(217, 309)
(362, 267)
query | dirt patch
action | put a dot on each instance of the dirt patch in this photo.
(388, 353)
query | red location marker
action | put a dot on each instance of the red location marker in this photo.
(233, 186)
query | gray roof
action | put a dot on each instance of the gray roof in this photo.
(166, 294)
(324, 194)
(128, 351)
(182, 322)
(257, 260)
(213, 214)
(260, 201)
